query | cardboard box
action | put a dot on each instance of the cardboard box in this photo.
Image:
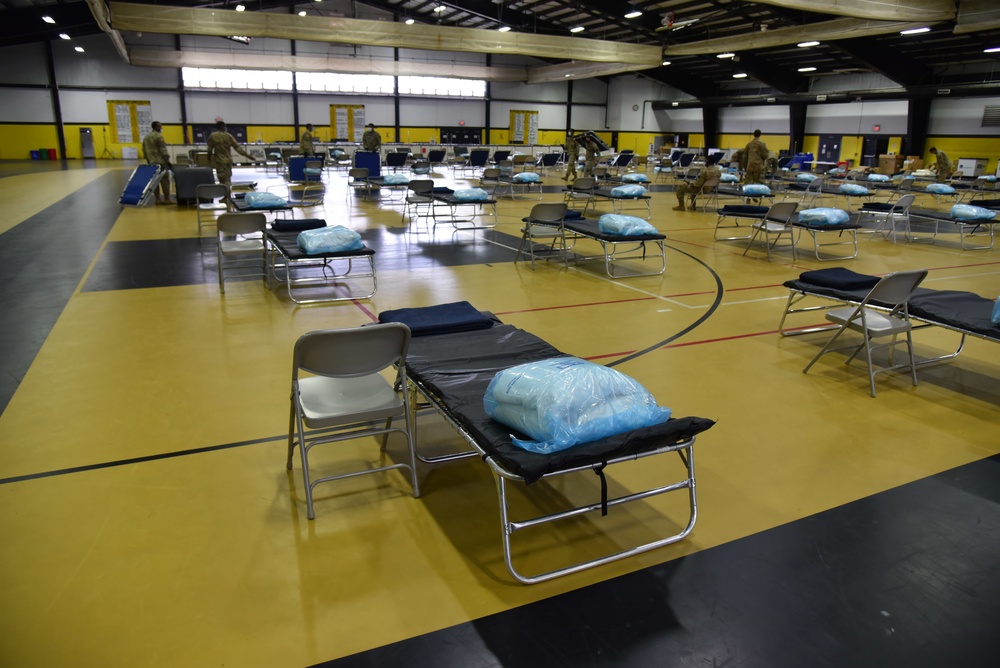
(890, 164)
(913, 162)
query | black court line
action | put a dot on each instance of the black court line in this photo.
(139, 460)
(719, 291)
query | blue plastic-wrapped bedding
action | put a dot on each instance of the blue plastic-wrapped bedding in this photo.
(824, 216)
(335, 239)
(471, 195)
(878, 178)
(526, 177)
(970, 212)
(806, 176)
(630, 190)
(395, 180)
(729, 178)
(853, 189)
(940, 189)
(456, 369)
(756, 190)
(616, 223)
(636, 177)
(263, 200)
(565, 401)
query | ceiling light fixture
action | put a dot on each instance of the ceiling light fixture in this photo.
(740, 75)
(807, 69)
(78, 49)
(992, 49)
(634, 14)
(726, 55)
(63, 35)
(409, 22)
(503, 28)
(48, 19)
(914, 31)
(674, 104)
(302, 13)
(439, 9)
(576, 29)
(240, 8)
(807, 44)
(666, 62)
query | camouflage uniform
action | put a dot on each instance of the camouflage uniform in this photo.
(219, 144)
(944, 167)
(572, 155)
(754, 155)
(371, 140)
(306, 144)
(694, 189)
(154, 148)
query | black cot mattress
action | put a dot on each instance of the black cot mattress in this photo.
(455, 370)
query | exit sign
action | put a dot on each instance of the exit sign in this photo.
(876, 128)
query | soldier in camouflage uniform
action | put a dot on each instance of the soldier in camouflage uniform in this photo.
(219, 144)
(754, 155)
(154, 148)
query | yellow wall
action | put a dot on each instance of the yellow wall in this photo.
(17, 141)
(774, 143)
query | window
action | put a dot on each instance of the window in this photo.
(330, 82)
(442, 87)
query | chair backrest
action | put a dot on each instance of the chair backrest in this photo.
(436, 155)
(585, 183)
(550, 159)
(395, 159)
(599, 172)
(358, 172)
(500, 156)
(815, 186)
(211, 191)
(422, 186)
(521, 159)
(548, 212)
(905, 185)
(491, 173)
(781, 212)
(314, 164)
(711, 185)
(403, 149)
(479, 157)
(686, 159)
(307, 195)
(352, 352)
(460, 151)
(903, 204)
(421, 167)
(241, 223)
(895, 289)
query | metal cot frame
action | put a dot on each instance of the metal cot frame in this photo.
(502, 477)
(286, 266)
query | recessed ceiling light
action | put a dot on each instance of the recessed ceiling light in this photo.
(992, 49)
(302, 13)
(914, 31)
(79, 49)
(63, 35)
(576, 29)
(503, 28)
(805, 44)
(440, 8)
(666, 62)
(674, 104)
(567, 75)
(726, 55)
(740, 75)
(807, 69)
(240, 8)
(409, 22)
(48, 19)
(634, 14)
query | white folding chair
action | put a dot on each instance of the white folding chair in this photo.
(211, 199)
(339, 394)
(241, 246)
(545, 223)
(777, 222)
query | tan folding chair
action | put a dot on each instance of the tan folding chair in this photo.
(241, 246)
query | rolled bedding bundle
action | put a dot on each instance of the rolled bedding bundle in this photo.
(471, 195)
(616, 223)
(335, 239)
(563, 401)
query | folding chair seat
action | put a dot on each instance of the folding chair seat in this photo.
(520, 161)
(890, 318)
(241, 246)
(338, 394)
(357, 181)
(545, 223)
(313, 170)
(777, 223)
(809, 195)
(211, 199)
(887, 214)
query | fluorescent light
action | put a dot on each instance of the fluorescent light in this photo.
(914, 31)
(63, 35)
(576, 29)
(634, 14)
(240, 8)
(992, 49)
(409, 22)
(740, 75)
(78, 49)
(726, 55)
(675, 104)
(48, 19)
(805, 44)
(666, 62)
(503, 28)
(440, 8)
(302, 13)
(807, 69)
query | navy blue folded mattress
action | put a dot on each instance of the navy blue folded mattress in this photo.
(965, 311)
(299, 225)
(439, 319)
(743, 210)
(455, 370)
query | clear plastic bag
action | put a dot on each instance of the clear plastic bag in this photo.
(564, 401)
(333, 239)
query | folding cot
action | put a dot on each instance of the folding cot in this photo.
(303, 273)
(444, 198)
(452, 358)
(141, 185)
(509, 185)
(759, 214)
(963, 312)
(617, 248)
(966, 228)
(618, 201)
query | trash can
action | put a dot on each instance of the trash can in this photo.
(43, 154)
(52, 154)
(34, 155)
